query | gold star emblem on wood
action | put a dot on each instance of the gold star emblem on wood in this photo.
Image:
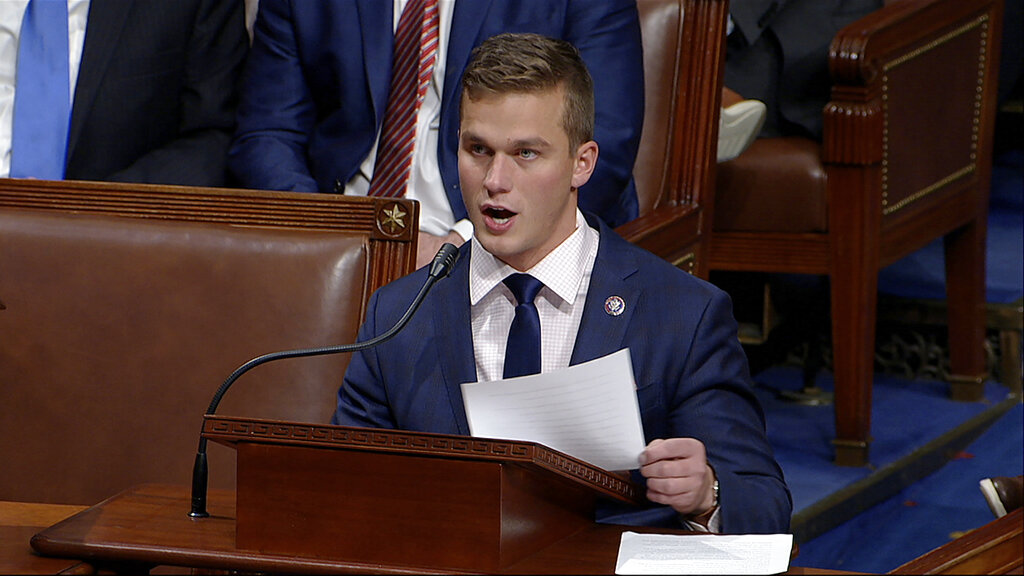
(394, 219)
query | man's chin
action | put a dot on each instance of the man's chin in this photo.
(501, 247)
(496, 245)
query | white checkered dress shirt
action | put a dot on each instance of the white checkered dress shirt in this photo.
(565, 273)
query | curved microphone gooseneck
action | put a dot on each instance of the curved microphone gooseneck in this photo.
(441, 266)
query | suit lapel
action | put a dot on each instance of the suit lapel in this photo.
(453, 335)
(602, 332)
(467, 21)
(103, 31)
(376, 26)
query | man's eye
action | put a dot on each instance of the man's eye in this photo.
(527, 154)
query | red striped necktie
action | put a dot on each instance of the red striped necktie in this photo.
(415, 52)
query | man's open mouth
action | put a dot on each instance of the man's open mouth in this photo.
(499, 215)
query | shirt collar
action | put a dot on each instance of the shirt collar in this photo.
(561, 271)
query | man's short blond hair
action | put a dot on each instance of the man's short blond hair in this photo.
(523, 63)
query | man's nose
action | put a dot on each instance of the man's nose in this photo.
(499, 174)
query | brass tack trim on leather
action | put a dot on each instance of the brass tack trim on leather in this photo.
(687, 262)
(887, 208)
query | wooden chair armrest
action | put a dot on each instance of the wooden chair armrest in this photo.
(859, 51)
(672, 232)
(890, 63)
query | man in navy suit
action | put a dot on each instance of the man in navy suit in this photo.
(317, 84)
(525, 149)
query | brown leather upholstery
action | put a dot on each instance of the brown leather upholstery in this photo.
(126, 307)
(776, 185)
(675, 168)
(906, 159)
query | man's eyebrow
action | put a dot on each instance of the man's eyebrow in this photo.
(530, 143)
(537, 142)
(469, 136)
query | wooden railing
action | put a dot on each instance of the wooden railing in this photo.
(995, 548)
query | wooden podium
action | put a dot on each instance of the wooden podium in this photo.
(412, 499)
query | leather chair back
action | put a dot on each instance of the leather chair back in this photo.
(684, 51)
(660, 25)
(127, 307)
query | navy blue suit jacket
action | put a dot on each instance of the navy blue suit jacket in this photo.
(690, 370)
(317, 80)
(157, 90)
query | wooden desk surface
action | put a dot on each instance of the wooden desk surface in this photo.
(149, 526)
(19, 521)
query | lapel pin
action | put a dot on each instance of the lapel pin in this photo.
(614, 306)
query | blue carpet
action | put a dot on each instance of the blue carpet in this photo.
(922, 275)
(905, 415)
(928, 513)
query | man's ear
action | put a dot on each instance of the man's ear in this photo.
(586, 161)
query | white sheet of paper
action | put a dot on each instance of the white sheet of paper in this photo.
(703, 554)
(589, 411)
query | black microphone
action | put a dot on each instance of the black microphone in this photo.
(440, 267)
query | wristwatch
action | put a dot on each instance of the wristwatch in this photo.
(705, 517)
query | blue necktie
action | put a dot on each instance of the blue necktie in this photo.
(42, 100)
(522, 352)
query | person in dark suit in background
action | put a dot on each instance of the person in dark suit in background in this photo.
(777, 52)
(317, 86)
(156, 89)
(525, 149)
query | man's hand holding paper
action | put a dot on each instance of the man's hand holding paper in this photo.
(678, 475)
